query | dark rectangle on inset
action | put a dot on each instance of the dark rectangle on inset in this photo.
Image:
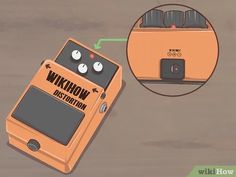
(48, 115)
(102, 79)
(172, 69)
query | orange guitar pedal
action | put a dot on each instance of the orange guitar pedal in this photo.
(63, 105)
(172, 47)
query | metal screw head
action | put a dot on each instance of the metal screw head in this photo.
(33, 145)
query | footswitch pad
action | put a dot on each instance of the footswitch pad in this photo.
(33, 110)
(63, 105)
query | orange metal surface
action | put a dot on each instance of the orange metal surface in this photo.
(147, 46)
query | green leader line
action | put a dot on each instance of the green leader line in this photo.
(97, 45)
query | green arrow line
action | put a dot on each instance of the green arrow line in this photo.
(97, 45)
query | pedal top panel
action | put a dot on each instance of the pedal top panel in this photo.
(74, 54)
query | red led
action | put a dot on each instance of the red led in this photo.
(92, 56)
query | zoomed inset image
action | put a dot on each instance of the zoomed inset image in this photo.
(172, 50)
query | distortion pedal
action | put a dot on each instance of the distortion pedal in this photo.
(172, 47)
(63, 105)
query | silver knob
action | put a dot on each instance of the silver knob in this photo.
(82, 68)
(76, 54)
(97, 66)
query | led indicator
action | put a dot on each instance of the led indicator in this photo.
(92, 56)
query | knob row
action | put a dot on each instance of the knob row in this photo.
(173, 18)
(83, 68)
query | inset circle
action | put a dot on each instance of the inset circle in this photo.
(172, 50)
